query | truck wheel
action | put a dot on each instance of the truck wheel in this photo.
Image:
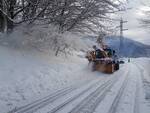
(117, 66)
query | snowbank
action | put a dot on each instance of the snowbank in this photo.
(43, 38)
(28, 75)
(144, 67)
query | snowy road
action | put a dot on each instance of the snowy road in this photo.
(122, 92)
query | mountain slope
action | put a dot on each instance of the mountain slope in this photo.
(130, 48)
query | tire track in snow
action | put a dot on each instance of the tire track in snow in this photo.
(136, 103)
(41, 102)
(142, 80)
(32, 107)
(36, 105)
(115, 103)
(89, 104)
(99, 92)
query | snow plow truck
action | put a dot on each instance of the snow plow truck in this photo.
(104, 60)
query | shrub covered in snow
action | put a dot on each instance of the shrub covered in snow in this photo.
(46, 38)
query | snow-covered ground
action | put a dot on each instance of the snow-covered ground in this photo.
(35, 82)
(26, 76)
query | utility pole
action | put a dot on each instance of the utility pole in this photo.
(121, 33)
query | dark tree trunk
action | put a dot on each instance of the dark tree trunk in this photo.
(10, 23)
(61, 24)
(1, 22)
(3, 19)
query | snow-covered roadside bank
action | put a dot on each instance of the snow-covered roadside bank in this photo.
(27, 76)
(144, 66)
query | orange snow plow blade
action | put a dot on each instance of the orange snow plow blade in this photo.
(103, 65)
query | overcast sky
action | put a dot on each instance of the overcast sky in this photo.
(135, 31)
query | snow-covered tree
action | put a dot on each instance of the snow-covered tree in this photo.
(145, 20)
(84, 16)
(68, 15)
